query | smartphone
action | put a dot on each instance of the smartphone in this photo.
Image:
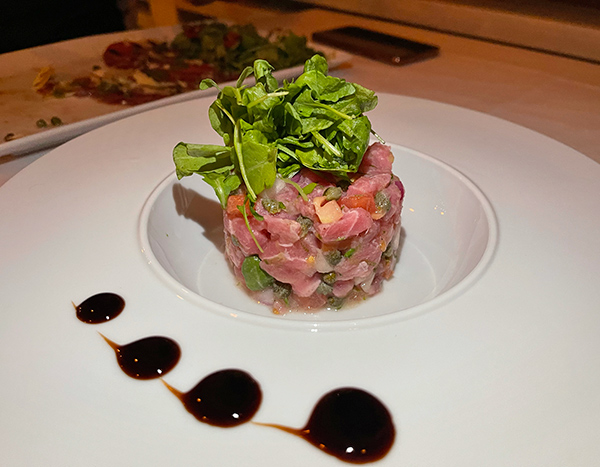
(393, 50)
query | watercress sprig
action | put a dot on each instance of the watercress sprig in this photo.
(315, 122)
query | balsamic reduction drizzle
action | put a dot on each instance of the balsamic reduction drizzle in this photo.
(226, 398)
(100, 308)
(148, 358)
(350, 424)
(347, 423)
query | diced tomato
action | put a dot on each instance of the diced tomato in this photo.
(365, 201)
(192, 31)
(193, 74)
(232, 206)
(124, 55)
(327, 211)
(231, 40)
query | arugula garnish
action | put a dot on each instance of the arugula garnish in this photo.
(315, 122)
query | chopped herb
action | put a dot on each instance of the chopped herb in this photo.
(349, 252)
(58, 93)
(247, 222)
(255, 277)
(297, 187)
(308, 189)
(256, 215)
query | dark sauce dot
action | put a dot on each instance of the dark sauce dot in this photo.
(226, 398)
(100, 308)
(350, 424)
(148, 358)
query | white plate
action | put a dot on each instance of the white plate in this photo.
(448, 237)
(21, 107)
(504, 373)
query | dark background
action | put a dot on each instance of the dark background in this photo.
(28, 23)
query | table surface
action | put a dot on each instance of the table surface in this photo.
(555, 96)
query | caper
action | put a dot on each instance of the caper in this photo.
(389, 251)
(305, 225)
(56, 121)
(333, 257)
(382, 202)
(282, 290)
(333, 192)
(41, 123)
(329, 278)
(324, 289)
(272, 206)
(335, 302)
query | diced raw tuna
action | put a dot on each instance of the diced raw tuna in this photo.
(312, 263)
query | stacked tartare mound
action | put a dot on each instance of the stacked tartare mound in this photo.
(331, 247)
(311, 211)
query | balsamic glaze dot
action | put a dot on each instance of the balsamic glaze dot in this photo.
(226, 398)
(148, 358)
(352, 425)
(100, 308)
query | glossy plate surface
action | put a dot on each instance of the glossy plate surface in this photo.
(449, 234)
(503, 372)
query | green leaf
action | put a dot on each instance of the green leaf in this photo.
(318, 63)
(220, 122)
(201, 158)
(315, 122)
(259, 160)
(256, 279)
(242, 210)
(223, 184)
(208, 83)
(263, 73)
(243, 75)
(366, 98)
(308, 189)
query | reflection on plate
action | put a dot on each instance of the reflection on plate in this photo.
(21, 107)
(449, 235)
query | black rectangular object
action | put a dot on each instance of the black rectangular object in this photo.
(378, 46)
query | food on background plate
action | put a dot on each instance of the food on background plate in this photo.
(137, 72)
(311, 212)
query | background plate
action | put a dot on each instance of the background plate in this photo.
(21, 107)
